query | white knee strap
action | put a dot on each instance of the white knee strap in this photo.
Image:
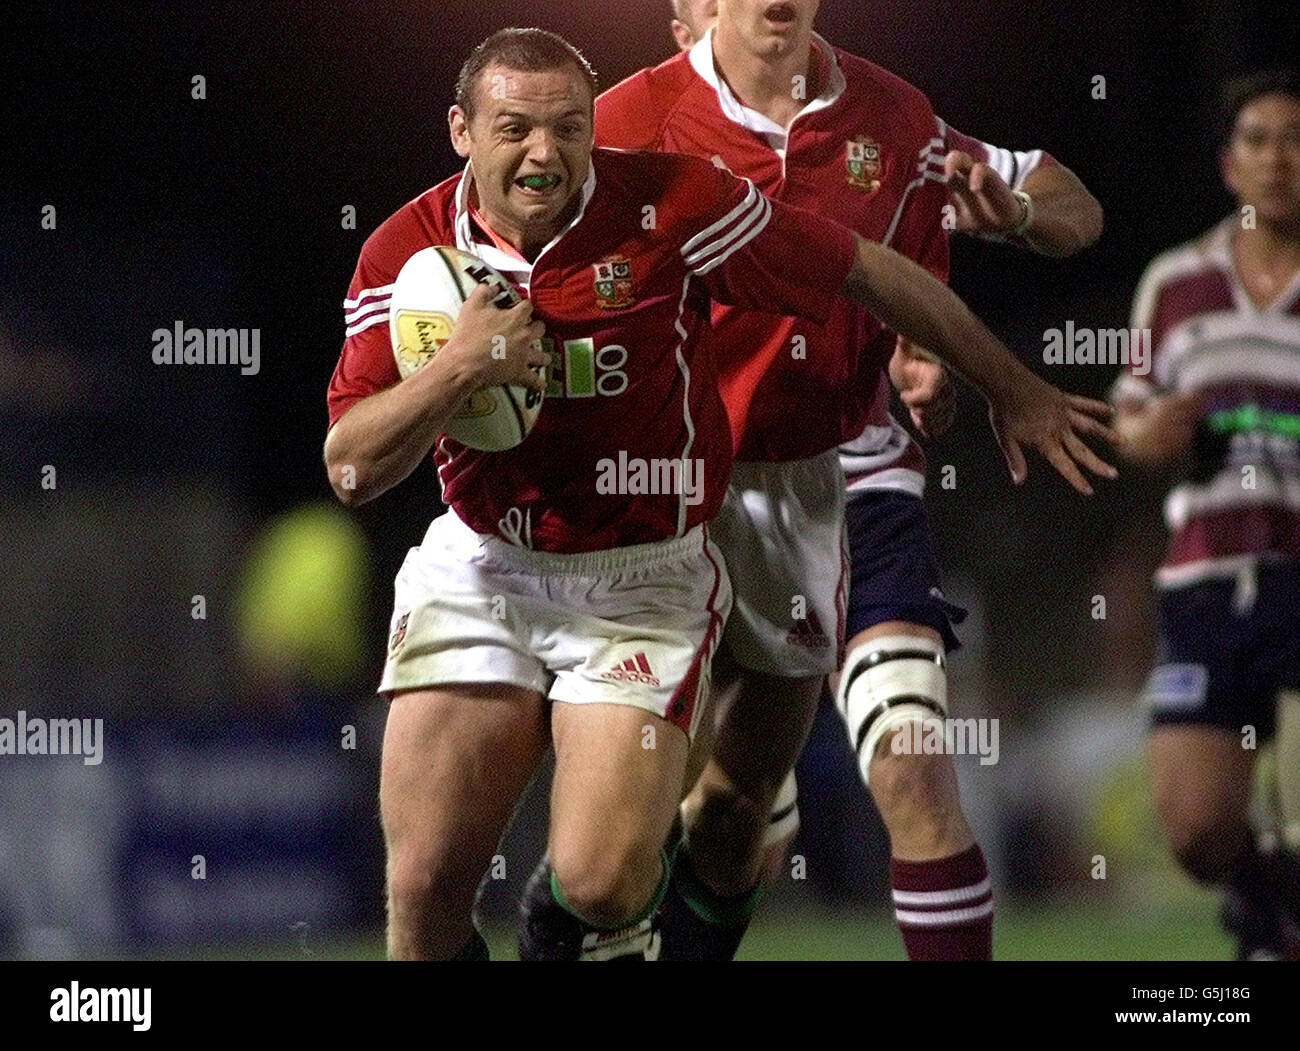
(783, 822)
(889, 681)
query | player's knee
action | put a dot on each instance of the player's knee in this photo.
(1197, 828)
(610, 885)
(916, 783)
(420, 881)
(726, 811)
(915, 793)
(890, 683)
(1204, 857)
(1199, 843)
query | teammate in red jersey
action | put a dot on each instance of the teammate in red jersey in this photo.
(536, 585)
(766, 98)
(1222, 390)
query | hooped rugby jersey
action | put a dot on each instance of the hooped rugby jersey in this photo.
(632, 444)
(1241, 499)
(867, 152)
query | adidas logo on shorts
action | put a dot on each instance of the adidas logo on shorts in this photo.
(634, 669)
(808, 633)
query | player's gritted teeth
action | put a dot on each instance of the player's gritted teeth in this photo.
(539, 185)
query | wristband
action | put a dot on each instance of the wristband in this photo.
(1026, 212)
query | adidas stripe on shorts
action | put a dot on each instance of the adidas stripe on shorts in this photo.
(781, 530)
(633, 625)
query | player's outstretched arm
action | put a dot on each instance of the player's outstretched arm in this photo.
(380, 440)
(1023, 409)
(1060, 218)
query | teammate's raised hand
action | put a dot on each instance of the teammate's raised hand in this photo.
(496, 346)
(984, 203)
(1035, 413)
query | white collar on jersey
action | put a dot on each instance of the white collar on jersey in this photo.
(519, 271)
(1218, 250)
(1218, 246)
(701, 59)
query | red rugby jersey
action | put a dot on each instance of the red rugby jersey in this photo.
(884, 455)
(624, 292)
(868, 152)
(1241, 500)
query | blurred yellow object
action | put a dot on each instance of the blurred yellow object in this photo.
(1122, 823)
(302, 597)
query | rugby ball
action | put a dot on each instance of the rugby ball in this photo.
(426, 300)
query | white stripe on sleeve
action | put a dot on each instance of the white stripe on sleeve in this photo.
(368, 293)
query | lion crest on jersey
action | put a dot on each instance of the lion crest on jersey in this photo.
(614, 284)
(863, 163)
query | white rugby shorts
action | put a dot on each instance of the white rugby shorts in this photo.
(781, 530)
(633, 625)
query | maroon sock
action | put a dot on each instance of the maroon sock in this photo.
(944, 908)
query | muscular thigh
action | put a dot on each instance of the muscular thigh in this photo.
(1211, 698)
(1200, 775)
(618, 779)
(455, 759)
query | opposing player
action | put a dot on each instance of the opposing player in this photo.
(1223, 394)
(766, 98)
(536, 585)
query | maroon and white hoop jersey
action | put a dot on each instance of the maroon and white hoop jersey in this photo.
(867, 152)
(1241, 501)
(624, 293)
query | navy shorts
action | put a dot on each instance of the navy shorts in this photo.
(894, 572)
(1227, 650)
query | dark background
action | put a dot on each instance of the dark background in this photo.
(226, 212)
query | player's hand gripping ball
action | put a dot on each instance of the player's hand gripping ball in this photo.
(427, 297)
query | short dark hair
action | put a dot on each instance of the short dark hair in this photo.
(1240, 92)
(525, 50)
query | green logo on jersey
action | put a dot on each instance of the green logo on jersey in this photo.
(1246, 419)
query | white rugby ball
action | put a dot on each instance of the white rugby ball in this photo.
(427, 297)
